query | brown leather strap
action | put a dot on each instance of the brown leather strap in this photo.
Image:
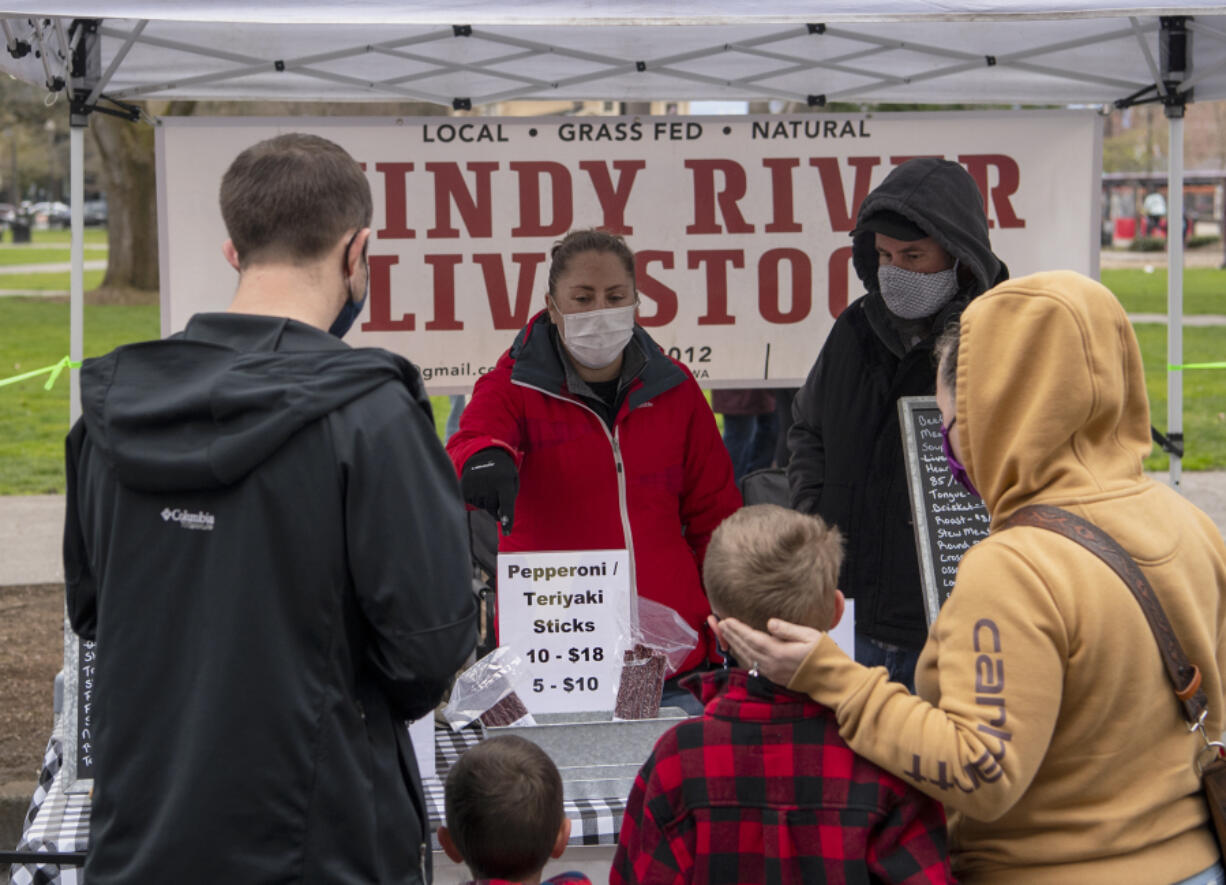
(1184, 675)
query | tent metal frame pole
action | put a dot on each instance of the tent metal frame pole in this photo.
(120, 55)
(76, 302)
(1174, 296)
(1139, 32)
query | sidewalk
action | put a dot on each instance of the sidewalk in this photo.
(31, 528)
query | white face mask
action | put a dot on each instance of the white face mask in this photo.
(595, 338)
(912, 295)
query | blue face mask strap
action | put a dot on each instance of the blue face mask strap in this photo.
(351, 309)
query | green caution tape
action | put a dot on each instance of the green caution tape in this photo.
(54, 371)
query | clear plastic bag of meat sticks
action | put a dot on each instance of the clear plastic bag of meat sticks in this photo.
(653, 647)
(487, 691)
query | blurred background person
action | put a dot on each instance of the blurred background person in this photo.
(750, 427)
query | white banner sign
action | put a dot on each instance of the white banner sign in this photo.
(739, 224)
(564, 613)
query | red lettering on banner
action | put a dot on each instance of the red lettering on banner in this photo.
(530, 223)
(449, 186)
(381, 298)
(496, 287)
(768, 286)
(717, 261)
(837, 276)
(1008, 178)
(664, 297)
(783, 218)
(843, 216)
(444, 293)
(395, 220)
(613, 199)
(705, 197)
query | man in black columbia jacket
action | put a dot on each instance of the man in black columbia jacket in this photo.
(921, 249)
(267, 541)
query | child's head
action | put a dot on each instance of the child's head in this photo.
(765, 561)
(504, 810)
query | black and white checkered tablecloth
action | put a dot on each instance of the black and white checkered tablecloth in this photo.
(56, 822)
(594, 821)
(59, 821)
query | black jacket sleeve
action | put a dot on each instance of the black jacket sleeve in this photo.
(807, 464)
(407, 541)
(79, 581)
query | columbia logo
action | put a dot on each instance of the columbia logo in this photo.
(197, 521)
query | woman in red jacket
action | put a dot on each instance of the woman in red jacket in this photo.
(587, 436)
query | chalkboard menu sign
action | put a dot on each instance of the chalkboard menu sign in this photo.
(88, 656)
(76, 720)
(948, 519)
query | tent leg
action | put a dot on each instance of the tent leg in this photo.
(76, 310)
(1174, 294)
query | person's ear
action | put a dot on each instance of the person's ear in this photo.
(840, 606)
(713, 623)
(559, 844)
(448, 846)
(230, 254)
(357, 249)
(554, 314)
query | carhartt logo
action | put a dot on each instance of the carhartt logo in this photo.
(199, 521)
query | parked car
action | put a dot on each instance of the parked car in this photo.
(94, 211)
(51, 214)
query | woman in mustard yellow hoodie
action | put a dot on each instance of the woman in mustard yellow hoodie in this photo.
(1044, 719)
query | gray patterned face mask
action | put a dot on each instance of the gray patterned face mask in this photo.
(912, 295)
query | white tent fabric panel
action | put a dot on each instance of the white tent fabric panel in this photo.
(592, 12)
(911, 52)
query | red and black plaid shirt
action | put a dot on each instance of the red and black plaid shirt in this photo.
(760, 789)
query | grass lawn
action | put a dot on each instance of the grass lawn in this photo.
(1204, 394)
(93, 235)
(34, 333)
(48, 282)
(33, 421)
(1204, 289)
(13, 255)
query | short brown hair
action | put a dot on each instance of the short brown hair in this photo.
(292, 197)
(589, 240)
(504, 808)
(765, 561)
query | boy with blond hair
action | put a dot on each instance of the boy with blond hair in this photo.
(761, 787)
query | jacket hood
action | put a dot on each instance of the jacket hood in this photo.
(942, 199)
(1051, 400)
(202, 409)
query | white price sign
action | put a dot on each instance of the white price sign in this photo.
(564, 613)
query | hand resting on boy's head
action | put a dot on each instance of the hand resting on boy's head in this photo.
(777, 655)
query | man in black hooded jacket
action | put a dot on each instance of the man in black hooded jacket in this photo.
(921, 249)
(266, 539)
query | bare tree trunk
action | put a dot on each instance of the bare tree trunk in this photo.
(126, 152)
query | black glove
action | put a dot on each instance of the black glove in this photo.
(491, 482)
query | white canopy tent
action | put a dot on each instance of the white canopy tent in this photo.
(468, 54)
